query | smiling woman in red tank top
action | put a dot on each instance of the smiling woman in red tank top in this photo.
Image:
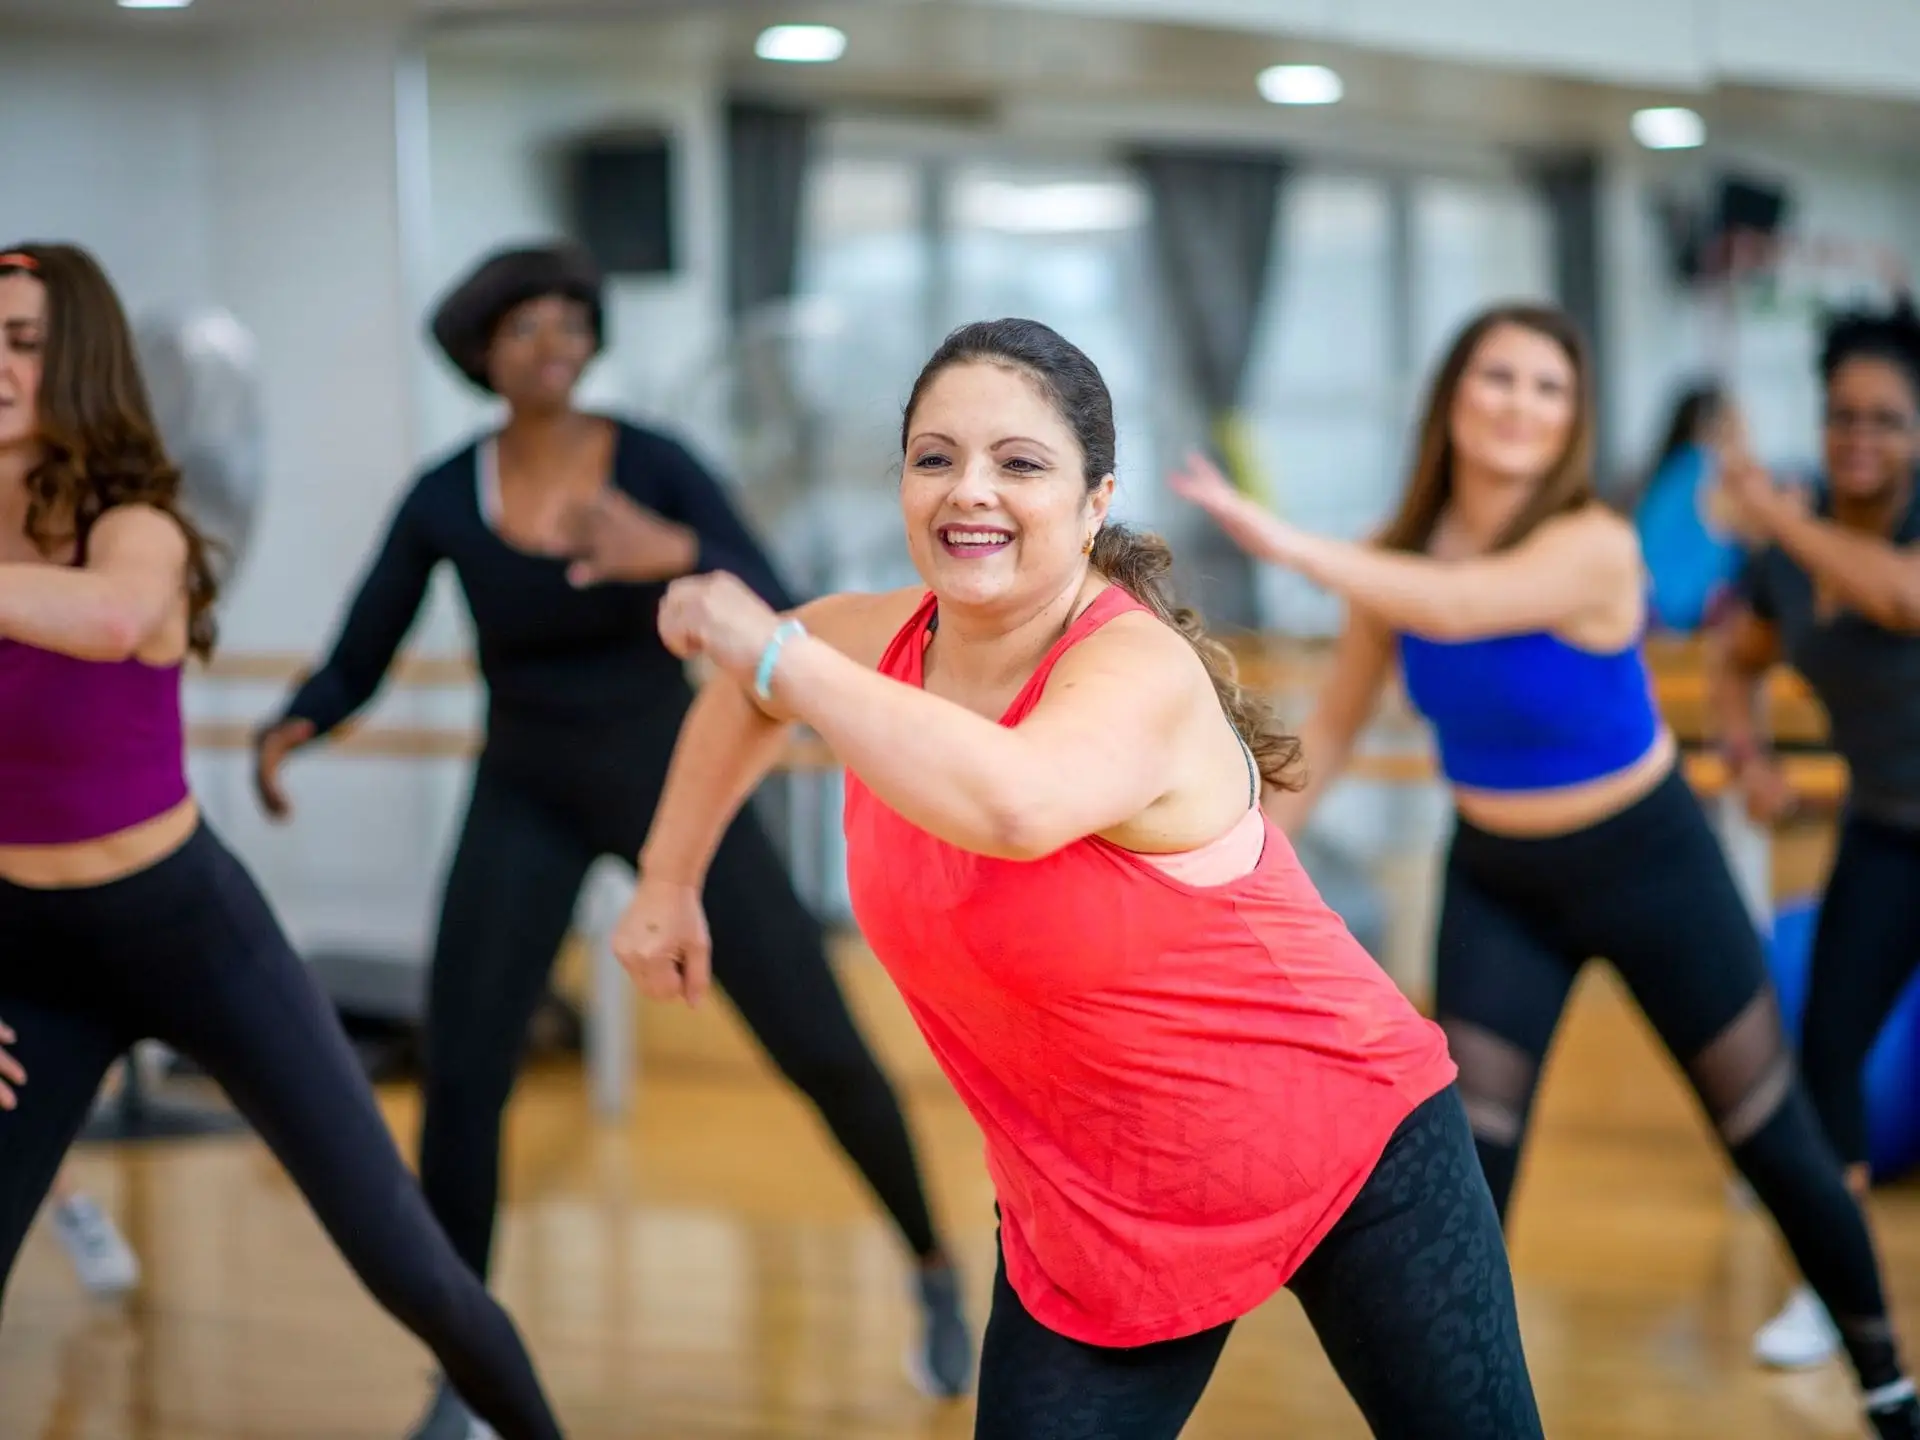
(1195, 1087)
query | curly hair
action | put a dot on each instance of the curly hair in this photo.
(1891, 335)
(99, 444)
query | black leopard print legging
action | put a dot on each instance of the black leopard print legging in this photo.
(1409, 1293)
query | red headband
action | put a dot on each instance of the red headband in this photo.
(18, 260)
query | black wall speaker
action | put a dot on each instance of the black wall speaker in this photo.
(621, 191)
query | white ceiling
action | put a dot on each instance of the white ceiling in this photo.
(1031, 54)
(270, 12)
(993, 58)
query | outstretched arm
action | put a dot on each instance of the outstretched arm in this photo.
(110, 608)
(1742, 646)
(1572, 566)
(1869, 573)
(1361, 661)
(1090, 756)
(383, 610)
(728, 744)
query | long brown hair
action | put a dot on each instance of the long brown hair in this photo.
(99, 444)
(1137, 563)
(1567, 485)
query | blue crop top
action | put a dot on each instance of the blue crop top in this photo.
(1530, 712)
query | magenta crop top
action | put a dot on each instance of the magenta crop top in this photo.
(87, 747)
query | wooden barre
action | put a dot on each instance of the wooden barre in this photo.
(1819, 781)
(269, 667)
(430, 742)
(1266, 661)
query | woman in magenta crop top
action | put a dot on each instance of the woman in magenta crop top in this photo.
(1516, 603)
(122, 916)
(1195, 1087)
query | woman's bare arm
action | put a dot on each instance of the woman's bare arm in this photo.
(114, 606)
(1361, 661)
(728, 744)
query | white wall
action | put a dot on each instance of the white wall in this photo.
(306, 250)
(497, 129)
(258, 172)
(117, 160)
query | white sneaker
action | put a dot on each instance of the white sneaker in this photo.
(1801, 1335)
(101, 1258)
(448, 1418)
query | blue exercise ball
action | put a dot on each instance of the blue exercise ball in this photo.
(1893, 1065)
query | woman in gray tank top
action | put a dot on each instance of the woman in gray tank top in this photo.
(1835, 593)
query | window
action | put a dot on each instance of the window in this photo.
(1475, 243)
(1370, 278)
(1323, 386)
(899, 249)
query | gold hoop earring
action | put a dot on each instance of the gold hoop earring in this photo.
(1087, 549)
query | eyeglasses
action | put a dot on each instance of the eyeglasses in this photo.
(1881, 423)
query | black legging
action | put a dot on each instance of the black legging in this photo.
(1409, 1293)
(1649, 890)
(1865, 949)
(187, 952)
(548, 800)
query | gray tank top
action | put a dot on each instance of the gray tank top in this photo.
(1867, 677)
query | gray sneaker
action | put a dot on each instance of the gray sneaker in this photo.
(449, 1419)
(101, 1256)
(943, 1365)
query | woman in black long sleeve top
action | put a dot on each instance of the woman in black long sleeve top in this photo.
(562, 572)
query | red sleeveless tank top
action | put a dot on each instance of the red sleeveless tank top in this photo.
(1181, 1088)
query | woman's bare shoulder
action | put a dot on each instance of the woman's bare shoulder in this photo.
(861, 624)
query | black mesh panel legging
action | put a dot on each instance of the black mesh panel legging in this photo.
(188, 953)
(1649, 890)
(547, 801)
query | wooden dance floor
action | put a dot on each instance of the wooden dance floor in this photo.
(708, 1269)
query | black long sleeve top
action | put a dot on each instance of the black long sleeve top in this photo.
(545, 647)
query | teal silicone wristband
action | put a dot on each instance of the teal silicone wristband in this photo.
(769, 657)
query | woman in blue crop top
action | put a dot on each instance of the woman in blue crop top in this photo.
(563, 530)
(1835, 593)
(1515, 602)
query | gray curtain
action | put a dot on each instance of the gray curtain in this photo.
(767, 152)
(1571, 186)
(1212, 227)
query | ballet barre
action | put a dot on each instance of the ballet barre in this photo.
(1276, 667)
(610, 1041)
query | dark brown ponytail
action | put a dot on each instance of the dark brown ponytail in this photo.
(1140, 564)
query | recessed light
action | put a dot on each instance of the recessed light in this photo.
(155, 4)
(1300, 85)
(1669, 127)
(1057, 208)
(801, 44)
